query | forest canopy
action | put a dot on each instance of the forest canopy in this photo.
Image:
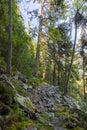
(46, 52)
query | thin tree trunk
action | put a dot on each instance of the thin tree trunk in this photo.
(9, 58)
(39, 40)
(70, 69)
(72, 58)
(84, 85)
(58, 76)
(54, 74)
(65, 69)
(58, 71)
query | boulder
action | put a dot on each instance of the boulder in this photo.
(6, 80)
(23, 78)
(25, 103)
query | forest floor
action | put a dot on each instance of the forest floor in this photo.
(40, 108)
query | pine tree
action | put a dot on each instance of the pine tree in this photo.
(9, 61)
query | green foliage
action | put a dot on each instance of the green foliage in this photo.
(19, 120)
(44, 127)
(78, 128)
(2, 63)
(35, 82)
(31, 106)
(20, 113)
(7, 93)
(44, 121)
(19, 88)
(21, 125)
(27, 61)
(84, 106)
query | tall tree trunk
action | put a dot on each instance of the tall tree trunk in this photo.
(39, 39)
(84, 82)
(9, 58)
(70, 69)
(65, 73)
(58, 76)
(58, 71)
(54, 74)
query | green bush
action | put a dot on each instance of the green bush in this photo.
(19, 88)
(21, 125)
(31, 106)
(35, 82)
(7, 93)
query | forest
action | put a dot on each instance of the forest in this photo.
(43, 68)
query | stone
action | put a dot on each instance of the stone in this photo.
(70, 102)
(6, 80)
(51, 115)
(31, 128)
(25, 102)
(25, 86)
(59, 128)
(23, 78)
(15, 78)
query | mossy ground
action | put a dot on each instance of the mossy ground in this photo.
(16, 118)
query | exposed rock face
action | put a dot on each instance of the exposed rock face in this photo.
(45, 106)
(5, 79)
(46, 96)
(25, 102)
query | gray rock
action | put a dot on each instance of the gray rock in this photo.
(15, 78)
(59, 128)
(51, 115)
(6, 80)
(34, 129)
(22, 77)
(23, 101)
(25, 86)
(70, 102)
(1, 118)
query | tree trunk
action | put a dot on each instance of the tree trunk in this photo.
(70, 69)
(84, 82)
(58, 71)
(58, 76)
(54, 74)
(39, 40)
(9, 58)
(65, 73)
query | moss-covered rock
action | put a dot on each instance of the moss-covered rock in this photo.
(22, 125)
(7, 93)
(42, 108)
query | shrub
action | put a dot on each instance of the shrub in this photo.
(7, 93)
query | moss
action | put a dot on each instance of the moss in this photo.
(44, 122)
(7, 93)
(78, 128)
(35, 82)
(19, 88)
(18, 119)
(20, 113)
(21, 125)
(44, 127)
(31, 106)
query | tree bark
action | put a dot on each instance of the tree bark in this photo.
(39, 39)
(9, 58)
(72, 58)
(54, 74)
(58, 75)
(84, 82)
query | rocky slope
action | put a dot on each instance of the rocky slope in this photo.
(41, 108)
